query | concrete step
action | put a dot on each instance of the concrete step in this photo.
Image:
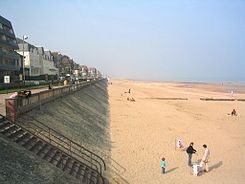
(50, 153)
(36, 147)
(61, 163)
(6, 127)
(87, 175)
(16, 134)
(10, 130)
(68, 165)
(3, 121)
(48, 156)
(94, 177)
(57, 156)
(101, 180)
(74, 168)
(81, 171)
(30, 142)
(43, 150)
(23, 138)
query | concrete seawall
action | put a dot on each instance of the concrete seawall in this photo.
(82, 117)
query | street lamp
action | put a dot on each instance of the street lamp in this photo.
(23, 62)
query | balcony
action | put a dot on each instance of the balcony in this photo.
(9, 44)
(11, 55)
(7, 33)
(9, 67)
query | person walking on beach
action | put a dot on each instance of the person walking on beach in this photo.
(190, 150)
(163, 165)
(205, 158)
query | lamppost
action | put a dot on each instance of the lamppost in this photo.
(23, 62)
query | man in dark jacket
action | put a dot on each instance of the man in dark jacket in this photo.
(190, 150)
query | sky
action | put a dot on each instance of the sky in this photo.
(177, 40)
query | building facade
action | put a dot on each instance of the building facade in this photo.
(32, 64)
(37, 61)
(48, 62)
(10, 61)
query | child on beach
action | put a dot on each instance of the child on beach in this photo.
(163, 165)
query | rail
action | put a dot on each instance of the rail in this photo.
(69, 146)
(16, 107)
(115, 170)
(47, 142)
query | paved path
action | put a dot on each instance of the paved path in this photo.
(4, 96)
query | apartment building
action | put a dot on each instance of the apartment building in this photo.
(31, 58)
(49, 63)
(83, 71)
(37, 61)
(10, 61)
(92, 72)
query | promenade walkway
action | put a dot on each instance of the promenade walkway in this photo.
(4, 96)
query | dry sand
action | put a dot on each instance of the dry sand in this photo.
(144, 131)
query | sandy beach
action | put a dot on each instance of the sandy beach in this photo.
(144, 131)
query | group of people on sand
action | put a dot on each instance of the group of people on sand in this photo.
(190, 151)
(25, 93)
(205, 158)
(131, 99)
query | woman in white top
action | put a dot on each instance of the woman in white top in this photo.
(205, 159)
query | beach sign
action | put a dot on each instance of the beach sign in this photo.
(6, 79)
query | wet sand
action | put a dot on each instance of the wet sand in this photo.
(144, 131)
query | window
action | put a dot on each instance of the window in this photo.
(3, 37)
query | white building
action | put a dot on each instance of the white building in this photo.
(48, 64)
(31, 60)
(37, 61)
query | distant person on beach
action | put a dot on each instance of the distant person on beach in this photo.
(49, 87)
(163, 165)
(27, 94)
(14, 95)
(233, 112)
(190, 150)
(132, 99)
(129, 90)
(205, 159)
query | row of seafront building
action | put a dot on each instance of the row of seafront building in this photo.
(37, 64)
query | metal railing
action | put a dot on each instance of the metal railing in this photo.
(115, 170)
(57, 146)
(67, 145)
(15, 107)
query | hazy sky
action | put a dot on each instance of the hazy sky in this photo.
(139, 39)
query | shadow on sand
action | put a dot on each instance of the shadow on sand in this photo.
(215, 166)
(171, 170)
